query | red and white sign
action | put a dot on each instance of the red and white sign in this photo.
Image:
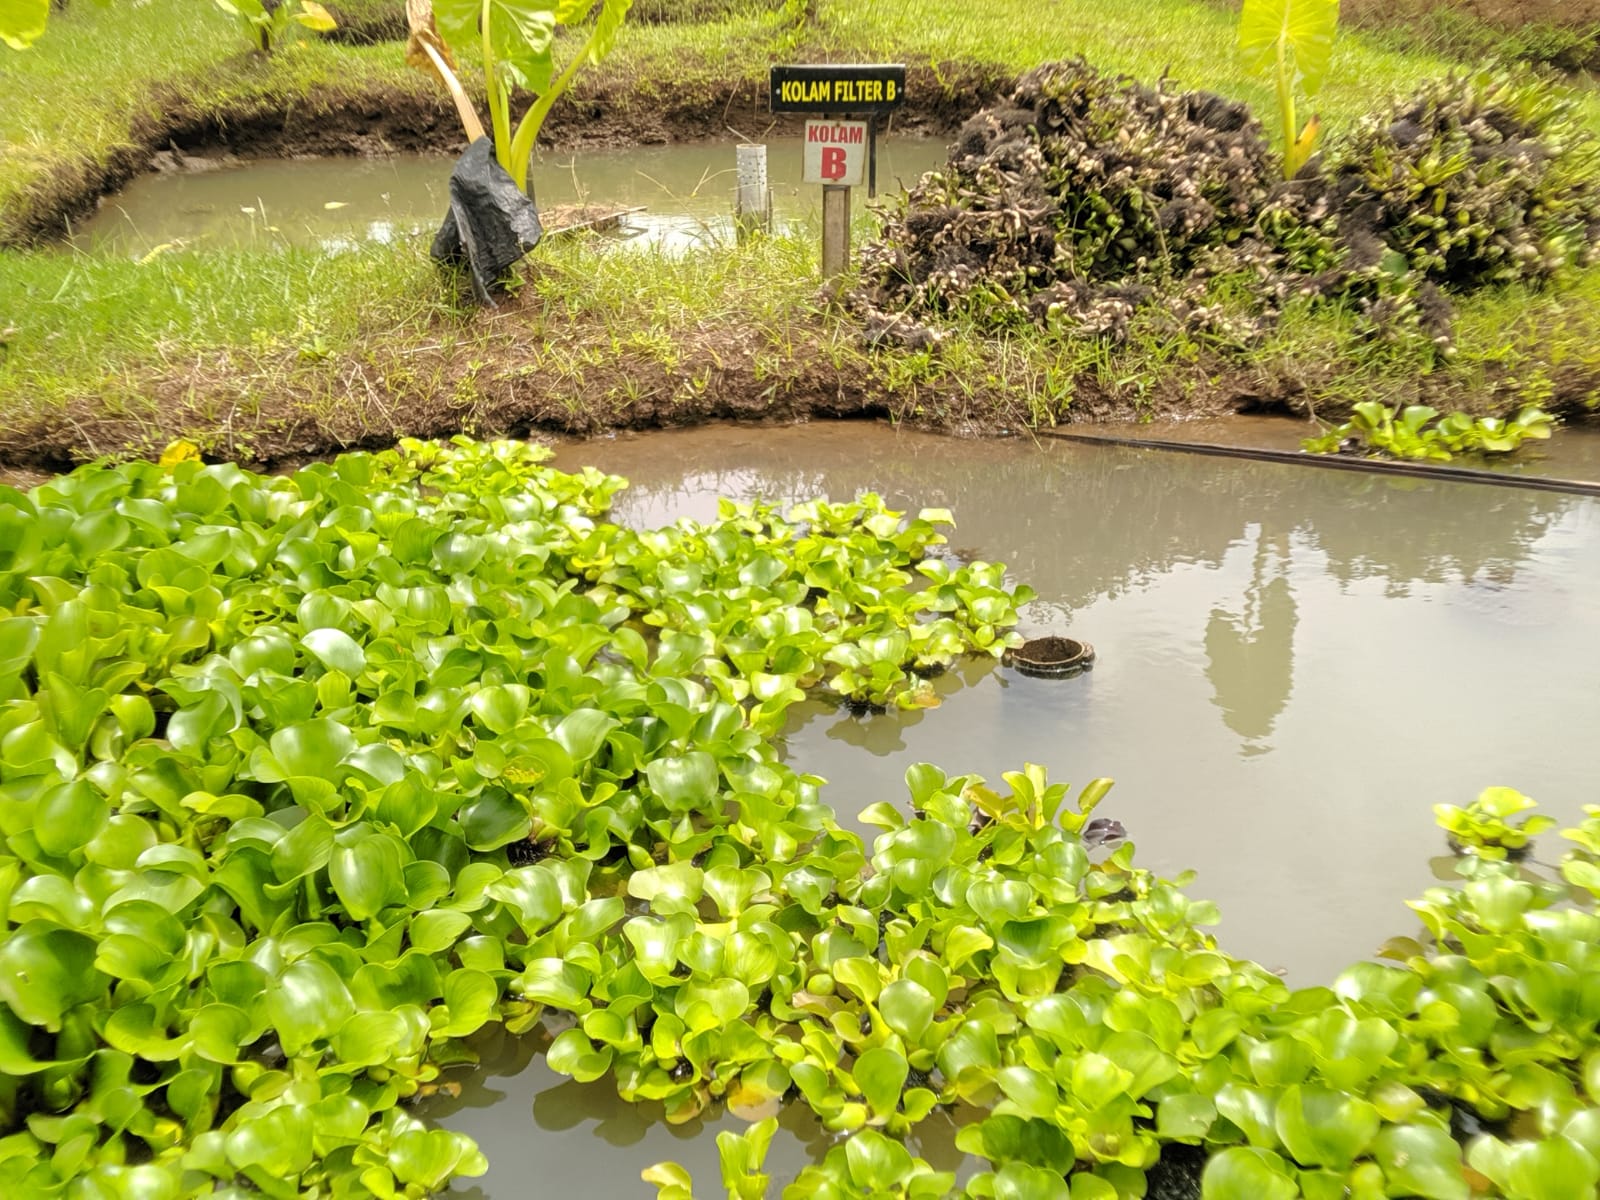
(836, 152)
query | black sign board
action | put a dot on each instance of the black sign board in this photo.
(839, 88)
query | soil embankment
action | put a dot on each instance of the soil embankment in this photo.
(1563, 34)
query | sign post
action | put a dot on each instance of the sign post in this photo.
(840, 153)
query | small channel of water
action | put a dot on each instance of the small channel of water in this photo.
(687, 191)
(1295, 665)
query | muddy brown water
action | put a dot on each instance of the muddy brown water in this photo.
(1293, 667)
(686, 190)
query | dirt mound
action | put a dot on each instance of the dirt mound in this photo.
(1069, 203)
(1085, 199)
(1502, 14)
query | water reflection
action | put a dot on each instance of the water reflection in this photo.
(1250, 652)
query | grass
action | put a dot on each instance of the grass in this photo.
(260, 353)
(80, 94)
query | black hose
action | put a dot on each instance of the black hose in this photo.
(1409, 470)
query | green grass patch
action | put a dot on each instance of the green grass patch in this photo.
(175, 344)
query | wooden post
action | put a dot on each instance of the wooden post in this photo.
(835, 231)
(753, 201)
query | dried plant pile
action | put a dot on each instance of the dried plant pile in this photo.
(1086, 196)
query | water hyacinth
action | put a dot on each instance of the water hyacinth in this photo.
(278, 755)
(307, 780)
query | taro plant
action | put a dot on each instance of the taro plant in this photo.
(265, 22)
(1419, 432)
(518, 40)
(1291, 43)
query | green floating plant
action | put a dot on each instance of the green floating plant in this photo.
(1486, 826)
(1418, 432)
(305, 780)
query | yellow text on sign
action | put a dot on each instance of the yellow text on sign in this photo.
(839, 93)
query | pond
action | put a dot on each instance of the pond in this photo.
(1294, 666)
(686, 190)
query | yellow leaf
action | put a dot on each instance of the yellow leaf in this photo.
(158, 251)
(1304, 146)
(180, 451)
(333, 204)
(313, 16)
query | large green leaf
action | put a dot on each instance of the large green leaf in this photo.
(1302, 31)
(521, 33)
(22, 22)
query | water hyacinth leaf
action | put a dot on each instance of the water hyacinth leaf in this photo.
(533, 893)
(311, 748)
(907, 1008)
(1247, 1173)
(217, 1031)
(876, 1163)
(1185, 1116)
(495, 819)
(881, 1073)
(672, 1180)
(470, 998)
(307, 1004)
(368, 876)
(16, 1054)
(46, 970)
(1323, 1128)
(70, 816)
(428, 1158)
(500, 707)
(1421, 1160)
(573, 1054)
(437, 930)
(582, 732)
(686, 782)
(1092, 1187)
(703, 1006)
(370, 1038)
(1252, 1110)
(18, 637)
(673, 888)
(336, 650)
(277, 1142)
(556, 983)
(1553, 1169)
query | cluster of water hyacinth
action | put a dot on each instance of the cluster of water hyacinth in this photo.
(277, 753)
(309, 779)
(1084, 197)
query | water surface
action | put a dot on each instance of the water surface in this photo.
(687, 191)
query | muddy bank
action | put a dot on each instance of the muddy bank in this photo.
(260, 122)
(513, 373)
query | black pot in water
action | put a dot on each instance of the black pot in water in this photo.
(1051, 657)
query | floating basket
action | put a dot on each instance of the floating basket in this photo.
(1051, 657)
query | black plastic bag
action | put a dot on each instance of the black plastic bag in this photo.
(490, 225)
